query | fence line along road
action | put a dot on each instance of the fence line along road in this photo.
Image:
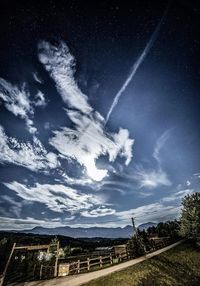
(77, 280)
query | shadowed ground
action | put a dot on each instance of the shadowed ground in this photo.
(176, 267)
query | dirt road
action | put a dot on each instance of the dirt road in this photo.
(77, 280)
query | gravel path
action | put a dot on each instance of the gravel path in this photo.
(77, 280)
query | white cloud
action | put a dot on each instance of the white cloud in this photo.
(37, 78)
(40, 99)
(77, 181)
(178, 195)
(98, 212)
(17, 101)
(58, 198)
(151, 178)
(60, 64)
(154, 212)
(10, 223)
(32, 156)
(188, 183)
(160, 144)
(88, 140)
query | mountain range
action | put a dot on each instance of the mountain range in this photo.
(79, 232)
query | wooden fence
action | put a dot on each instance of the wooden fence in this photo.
(85, 264)
(91, 263)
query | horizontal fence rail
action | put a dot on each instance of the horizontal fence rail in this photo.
(100, 261)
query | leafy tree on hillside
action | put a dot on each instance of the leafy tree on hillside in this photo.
(163, 229)
(190, 216)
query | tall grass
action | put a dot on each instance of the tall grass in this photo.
(176, 267)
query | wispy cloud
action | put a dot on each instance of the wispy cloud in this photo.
(154, 212)
(56, 197)
(10, 223)
(178, 195)
(40, 100)
(87, 140)
(154, 177)
(98, 212)
(59, 62)
(148, 178)
(31, 156)
(37, 78)
(17, 100)
(160, 144)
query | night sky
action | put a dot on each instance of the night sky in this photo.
(64, 159)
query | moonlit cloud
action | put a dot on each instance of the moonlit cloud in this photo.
(37, 78)
(98, 212)
(188, 183)
(151, 178)
(154, 212)
(40, 99)
(31, 156)
(57, 197)
(178, 195)
(160, 144)
(154, 177)
(60, 64)
(17, 101)
(10, 223)
(87, 140)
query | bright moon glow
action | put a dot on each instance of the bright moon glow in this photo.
(92, 171)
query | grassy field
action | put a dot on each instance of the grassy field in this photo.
(176, 267)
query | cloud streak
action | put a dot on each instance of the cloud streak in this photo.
(56, 197)
(136, 65)
(31, 156)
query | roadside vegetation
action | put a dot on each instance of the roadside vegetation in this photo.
(176, 267)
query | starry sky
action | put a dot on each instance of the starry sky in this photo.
(99, 111)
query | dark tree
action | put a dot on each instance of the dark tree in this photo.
(190, 216)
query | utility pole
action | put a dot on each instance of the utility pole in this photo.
(56, 261)
(134, 227)
(6, 267)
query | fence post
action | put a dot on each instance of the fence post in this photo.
(100, 258)
(119, 256)
(41, 266)
(88, 264)
(111, 260)
(6, 267)
(78, 266)
(56, 260)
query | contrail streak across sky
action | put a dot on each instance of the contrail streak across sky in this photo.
(137, 64)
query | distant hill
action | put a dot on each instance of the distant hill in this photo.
(78, 232)
(146, 225)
